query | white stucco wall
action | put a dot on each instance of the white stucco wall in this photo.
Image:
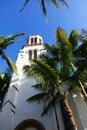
(24, 110)
(79, 108)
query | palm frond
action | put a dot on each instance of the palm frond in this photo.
(52, 61)
(52, 50)
(55, 3)
(37, 86)
(26, 70)
(62, 39)
(6, 41)
(80, 74)
(43, 7)
(40, 69)
(73, 38)
(64, 2)
(37, 98)
(65, 51)
(50, 104)
(4, 84)
(84, 35)
(26, 2)
(79, 51)
(9, 62)
(46, 69)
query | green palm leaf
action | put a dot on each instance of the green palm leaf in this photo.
(53, 50)
(26, 2)
(65, 3)
(9, 62)
(65, 55)
(74, 38)
(43, 4)
(37, 86)
(6, 41)
(41, 71)
(38, 97)
(4, 84)
(51, 104)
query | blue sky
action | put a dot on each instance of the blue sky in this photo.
(32, 21)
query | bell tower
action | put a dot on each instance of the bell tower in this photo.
(33, 48)
(34, 42)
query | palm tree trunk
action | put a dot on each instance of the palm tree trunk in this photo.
(83, 91)
(56, 117)
(67, 114)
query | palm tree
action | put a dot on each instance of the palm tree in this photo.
(52, 77)
(49, 82)
(4, 43)
(43, 4)
(71, 60)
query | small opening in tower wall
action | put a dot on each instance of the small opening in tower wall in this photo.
(30, 55)
(35, 39)
(31, 40)
(35, 54)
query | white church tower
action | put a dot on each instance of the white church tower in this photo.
(17, 114)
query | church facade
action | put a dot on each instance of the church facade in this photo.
(17, 114)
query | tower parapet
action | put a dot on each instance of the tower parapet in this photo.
(35, 39)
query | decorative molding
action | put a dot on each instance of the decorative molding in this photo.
(13, 111)
(15, 87)
(10, 103)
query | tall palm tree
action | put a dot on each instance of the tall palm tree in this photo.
(4, 43)
(43, 4)
(54, 76)
(50, 83)
(71, 59)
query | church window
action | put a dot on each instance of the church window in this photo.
(35, 40)
(30, 55)
(35, 54)
(31, 40)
